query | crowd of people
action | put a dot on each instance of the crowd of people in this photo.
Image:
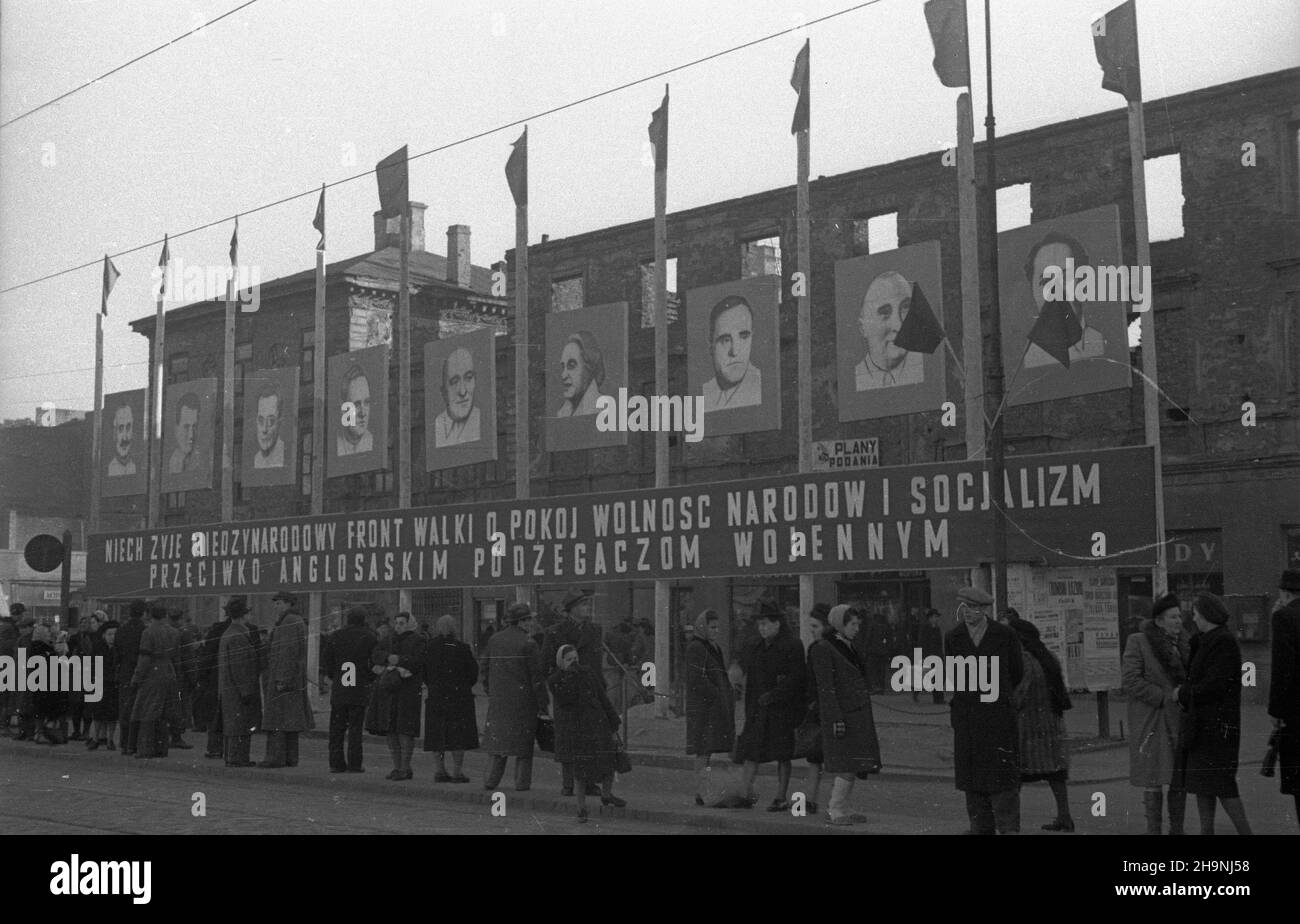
(547, 688)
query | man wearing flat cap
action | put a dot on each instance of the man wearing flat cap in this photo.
(515, 683)
(576, 629)
(1284, 685)
(986, 738)
(287, 711)
(238, 667)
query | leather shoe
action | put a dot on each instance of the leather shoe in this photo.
(442, 777)
(613, 800)
(1060, 824)
(181, 745)
(338, 769)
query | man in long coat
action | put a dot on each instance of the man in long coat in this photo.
(576, 629)
(1284, 685)
(157, 698)
(516, 686)
(986, 739)
(237, 673)
(775, 684)
(128, 652)
(287, 710)
(187, 642)
(207, 702)
(347, 661)
(395, 708)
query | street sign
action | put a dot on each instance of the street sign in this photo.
(43, 553)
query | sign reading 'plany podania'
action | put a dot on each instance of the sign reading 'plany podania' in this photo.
(1065, 508)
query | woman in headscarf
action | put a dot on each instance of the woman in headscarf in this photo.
(1041, 701)
(849, 741)
(710, 699)
(585, 722)
(50, 707)
(104, 712)
(1211, 699)
(450, 671)
(1155, 663)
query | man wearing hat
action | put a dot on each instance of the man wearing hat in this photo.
(986, 738)
(237, 672)
(287, 710)
(515, 683)
(207, 702)
(8, 649)
(576, 629)
(1284, 685)
(128, 653)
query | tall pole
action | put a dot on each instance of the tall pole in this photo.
(972, 330)
(404, 383)
(65, 580)
(228, 399)
(155, 403)
(316, 600)
(995, 331)
(663, 622)
(523, 413)
(804, 357)
(97, 426)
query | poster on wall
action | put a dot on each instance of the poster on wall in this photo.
(357, 410)
(460, 425)
(586, 359)
(125, 440)
(189, 424)
(270, 447)
(1076, 611)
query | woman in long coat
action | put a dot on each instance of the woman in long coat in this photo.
(1155, 663)
(1211, 697)
(819, 622)
(710, 699)
(395, 703)
(585, 722)
(775, 678)
(1041, 701)
(50, 707)
(158, 698)
(849, 742)
(104, 712)
(450, 723)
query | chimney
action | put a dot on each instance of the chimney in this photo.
(389, 233)
(458, 271)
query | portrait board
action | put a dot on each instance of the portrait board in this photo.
(586, 357)
(356, 406)
(124, 444)
(460, 402)
(874, 299)
(733, 354)
(1099, 358)
(270, 447)
(189, 425)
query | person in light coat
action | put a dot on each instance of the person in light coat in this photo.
(287, 710)
(516, 687)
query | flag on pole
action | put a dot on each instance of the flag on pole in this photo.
(394, 183)
(947, 22)
(110, 280)
(234, 245)
(920, 331)
(163, 259)
(517, 169)
(799, 80)
(319, 221)
(1056, 330)
(659, 133)
(1115, 40)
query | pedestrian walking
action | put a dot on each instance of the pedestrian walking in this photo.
(986, 741)
(348, 657)
(1041, 701)
(450, 724)
(395, 696)
(576, 629)
(288, 710)
(1211, 701)
(157, 703)
(850, 747)
(49, 707)
(516, 687)
(811, 727)
(775, 686)
(104, 713)
(710, 699)
(1284, 685)
(1154, 665)
(128, 652)
(238, 670)
(585, 723)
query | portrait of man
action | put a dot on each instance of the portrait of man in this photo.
(184, 432)
(123, 439)
(737, 381)
(582, 373)
(354, 435)
(1052, 250)
(270, 444)
(884, 306)
(460, 422)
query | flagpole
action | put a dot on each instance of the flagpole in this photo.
(97, 425)
(523, 413)
(663, 623)
(315, 603)
(155, 403)
(996, 373)
(804, 354)
(968, 235)
(228, 396)
(404, 383)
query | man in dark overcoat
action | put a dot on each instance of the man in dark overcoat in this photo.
(347, 660)
(8, 649)
(128, 652)
(207, 702)
(157, 698)
(395, 707)
(776, 681)
(986, 739)
(238, 668)
(287, 710)
(576, 629)
(186, 676)
(516, 687)
(1284, 685)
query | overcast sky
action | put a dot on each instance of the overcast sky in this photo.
(285, 94)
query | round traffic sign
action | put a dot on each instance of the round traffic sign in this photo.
(43, 552)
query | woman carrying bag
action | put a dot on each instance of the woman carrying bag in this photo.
(585, 723)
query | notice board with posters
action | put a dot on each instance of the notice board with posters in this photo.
(1076, 611)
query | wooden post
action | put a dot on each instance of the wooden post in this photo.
(316, 600)
(972, 328)
(156, 404)
(403, 328)
(804, 356)
(97, 427)
(663, 618)
(523, 412)
(65, 579)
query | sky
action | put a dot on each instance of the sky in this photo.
(286, 94)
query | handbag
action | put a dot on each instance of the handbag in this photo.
(546, 734)
(622, 762)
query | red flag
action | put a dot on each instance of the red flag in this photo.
(394, 183)
(947, 22)
(1056, 330)
(920, 331)
(110, 280)
(799, 80)
(1115, 39)
(517, 169)
(163, 259)
(659, 133)
(319, 221)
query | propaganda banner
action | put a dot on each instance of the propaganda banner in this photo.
(356, 406)
(1067, 509)
(586, 359)
(189, 424)
(460, 405)
(270, 447)
(125, 436)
